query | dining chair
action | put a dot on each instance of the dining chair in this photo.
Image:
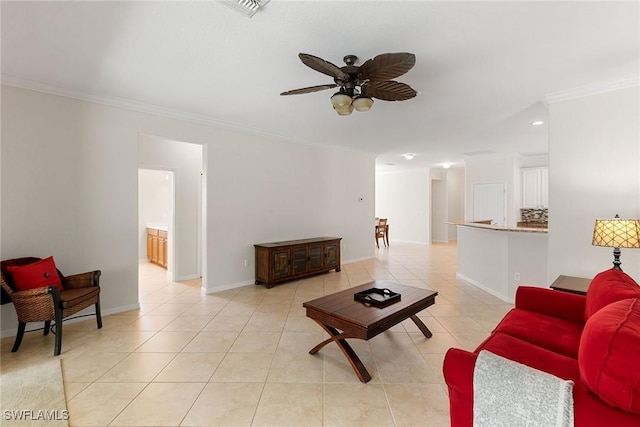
(381, 231)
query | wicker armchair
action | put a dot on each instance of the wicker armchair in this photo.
(48, 303)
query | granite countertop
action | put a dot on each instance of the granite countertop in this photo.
(499, 228)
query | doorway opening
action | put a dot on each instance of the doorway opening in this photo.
(155, 218)
(171, 203)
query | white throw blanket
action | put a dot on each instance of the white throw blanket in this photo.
(510, 394)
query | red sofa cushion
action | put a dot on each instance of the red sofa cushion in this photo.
(35, 275)
(609, 355)
(551, 333)
(561, 305)
(609, 286)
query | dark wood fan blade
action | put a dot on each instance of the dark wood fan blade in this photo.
(389, 90)
(322, 66)
(387, 66)
(308, 89)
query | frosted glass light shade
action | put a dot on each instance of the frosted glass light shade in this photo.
(362, 103)
(345, 110)
(340, 99)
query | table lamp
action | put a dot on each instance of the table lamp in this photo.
(616, 233)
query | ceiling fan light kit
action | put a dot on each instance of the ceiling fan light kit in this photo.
(362, 103)
(344, 110)
(360, 84)
(340, 99)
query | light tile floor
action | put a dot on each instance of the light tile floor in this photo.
(240, 357)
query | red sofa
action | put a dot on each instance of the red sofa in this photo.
(593, 341)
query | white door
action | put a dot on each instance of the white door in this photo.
(489, 203)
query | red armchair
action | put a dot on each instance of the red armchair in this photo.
(593, 341)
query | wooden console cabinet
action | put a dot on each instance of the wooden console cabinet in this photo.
(157, 246)
(280, 261)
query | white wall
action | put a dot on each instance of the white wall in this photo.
(483, 259)
(535, 161)
(69, 189)
(594, 172)
(490, 259)
(455, 200)
(490, 169)
(403, 198)
(186, 162)
(439, 210)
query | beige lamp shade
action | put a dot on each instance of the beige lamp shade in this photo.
(617, 233)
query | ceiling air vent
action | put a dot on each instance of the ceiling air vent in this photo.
(246, 7)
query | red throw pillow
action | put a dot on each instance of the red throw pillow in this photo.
(36, 275)
(609, 354)
(607, 287)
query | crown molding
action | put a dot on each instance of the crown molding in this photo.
(168, 113)
(588, 90)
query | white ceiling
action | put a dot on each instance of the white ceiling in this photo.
(483, 69)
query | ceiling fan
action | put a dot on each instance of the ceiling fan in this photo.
(359, 84)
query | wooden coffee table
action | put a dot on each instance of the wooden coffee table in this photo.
(340, 312)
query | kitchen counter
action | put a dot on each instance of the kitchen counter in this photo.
(500, 228)
(498, 259)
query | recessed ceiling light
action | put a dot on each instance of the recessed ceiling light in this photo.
(409, 156)
(446, 165)
(538, 123)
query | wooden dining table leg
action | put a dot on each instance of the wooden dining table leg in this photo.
(350, 354)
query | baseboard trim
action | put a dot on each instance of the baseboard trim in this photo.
(408, 241)
(226, 287)
(188, 277)
(354, 260)
(484, 288)
(78, 317)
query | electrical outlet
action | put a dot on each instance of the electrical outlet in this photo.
(516, 277)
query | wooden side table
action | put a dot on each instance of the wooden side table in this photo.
(572, 284)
